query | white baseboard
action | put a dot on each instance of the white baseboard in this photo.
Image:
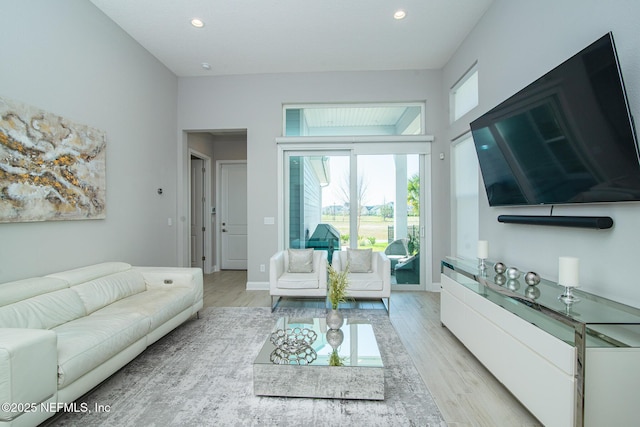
(257, 286)
(435, 287)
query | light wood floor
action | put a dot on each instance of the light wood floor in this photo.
(466, 393)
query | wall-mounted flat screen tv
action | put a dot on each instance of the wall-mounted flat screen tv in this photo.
(568, 137)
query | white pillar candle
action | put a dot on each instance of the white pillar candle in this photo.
(483, 249)
(568, 271)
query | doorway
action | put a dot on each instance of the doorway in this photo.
(200, 252)
(197, 212)
(213, 146)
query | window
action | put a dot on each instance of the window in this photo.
(465, 197)
(354, 119)
(354, 176)
(463, 97)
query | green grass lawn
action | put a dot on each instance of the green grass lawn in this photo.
(371, 228)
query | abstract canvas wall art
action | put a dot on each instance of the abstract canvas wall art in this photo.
(50, 167)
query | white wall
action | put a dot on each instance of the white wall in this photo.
(68, 58)
(254, 102)
(202, 142)
(516, 42)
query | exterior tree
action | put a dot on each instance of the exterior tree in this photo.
(413, 193)
(386, 211)
(362, 186)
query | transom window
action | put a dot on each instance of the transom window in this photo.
(463, 96)
(354, 119)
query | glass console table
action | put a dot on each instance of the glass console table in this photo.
(603, 335)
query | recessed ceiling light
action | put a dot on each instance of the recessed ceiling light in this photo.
(197, 23)
(399, 14)
(206, 66)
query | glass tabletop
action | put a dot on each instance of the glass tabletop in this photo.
(608, 323)
(591, 309)
(308, 341)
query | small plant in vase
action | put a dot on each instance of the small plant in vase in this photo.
(337, 293)
(334, 339)
(335, 359)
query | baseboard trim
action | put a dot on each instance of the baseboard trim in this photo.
(435, 287)
(257, 286)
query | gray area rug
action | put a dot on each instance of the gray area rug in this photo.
(201, 375)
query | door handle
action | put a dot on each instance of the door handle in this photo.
(224, 230)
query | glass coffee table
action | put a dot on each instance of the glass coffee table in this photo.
(302, 358)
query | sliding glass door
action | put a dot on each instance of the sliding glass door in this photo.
(317, 203)
(339, 199)
(388, 194)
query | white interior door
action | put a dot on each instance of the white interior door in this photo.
(233, 216)
(197, 212)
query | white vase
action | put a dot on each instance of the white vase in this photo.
(334, 319)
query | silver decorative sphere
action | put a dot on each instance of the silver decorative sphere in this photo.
(335, 337)
(532, 278)
(500, 279)
(500, 268)
(513, 273)
(513, 284)
(532, 292)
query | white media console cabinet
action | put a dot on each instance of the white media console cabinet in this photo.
(570, 365)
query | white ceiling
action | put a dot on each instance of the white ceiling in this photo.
(276, 36)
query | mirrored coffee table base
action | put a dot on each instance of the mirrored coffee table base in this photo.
(298, 360)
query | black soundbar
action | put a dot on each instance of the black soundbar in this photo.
(597, 222)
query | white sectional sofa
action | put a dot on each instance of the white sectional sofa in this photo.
(65, 333)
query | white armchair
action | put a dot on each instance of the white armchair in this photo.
(366, 280)
(285, 278)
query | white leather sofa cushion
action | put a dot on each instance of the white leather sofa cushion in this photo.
(298, 281)
(85, 274)
(159, 305)
(168, 278)
(103, 291)
(22, 289)
(43, 311)
(365, 282)
(86, 343)
(157, 277)
(27, 358)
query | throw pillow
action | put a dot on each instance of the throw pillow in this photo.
(300, 260)
(359, 260)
